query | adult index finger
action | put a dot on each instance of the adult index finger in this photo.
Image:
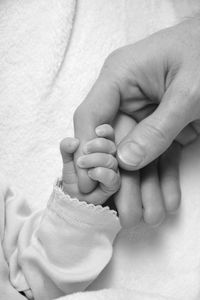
(100, 107)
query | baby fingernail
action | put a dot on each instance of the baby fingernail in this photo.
(99, 131)
(85, 149)
(80, 162)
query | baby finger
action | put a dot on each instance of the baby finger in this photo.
(100, 145)
(108, 179)
(94, 160)
(105, 131)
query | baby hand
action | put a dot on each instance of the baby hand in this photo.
(100, 161)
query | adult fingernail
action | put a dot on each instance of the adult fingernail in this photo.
(131, 154)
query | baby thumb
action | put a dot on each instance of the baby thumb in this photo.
(67, 148)
(150, 138)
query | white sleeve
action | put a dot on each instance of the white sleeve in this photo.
(59, 250)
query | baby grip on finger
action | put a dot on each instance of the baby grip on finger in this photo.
(109, 179)
(101, 145)
(106, 131)
(98, 160)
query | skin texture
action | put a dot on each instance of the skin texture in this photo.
(156, 81)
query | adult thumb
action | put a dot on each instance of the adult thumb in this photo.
(153, 135)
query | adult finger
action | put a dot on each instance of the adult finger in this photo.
(169, 177)
(152, 199)
(128, 199)
(153, 135)
(100, 107)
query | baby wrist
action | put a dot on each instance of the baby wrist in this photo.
(81, 212)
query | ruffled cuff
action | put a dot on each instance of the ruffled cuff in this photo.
(74, 211)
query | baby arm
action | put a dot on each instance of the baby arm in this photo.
(64, 248)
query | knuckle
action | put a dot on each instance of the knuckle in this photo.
(187, 93)
(113, 64)
(158, 132)
(184, 92)
(112, 57)
(188, 90)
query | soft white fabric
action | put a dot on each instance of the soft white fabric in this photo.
(56, 251)
(50, 54)
(114, 294)
(34, 111)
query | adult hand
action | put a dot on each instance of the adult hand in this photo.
(152, 192)
(156, 81)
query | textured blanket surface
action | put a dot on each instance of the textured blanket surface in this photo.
(114, 294)
(50, 54)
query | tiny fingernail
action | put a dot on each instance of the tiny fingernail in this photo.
(99, 131)
(85, 149)
(80, 162)
(131, 154)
